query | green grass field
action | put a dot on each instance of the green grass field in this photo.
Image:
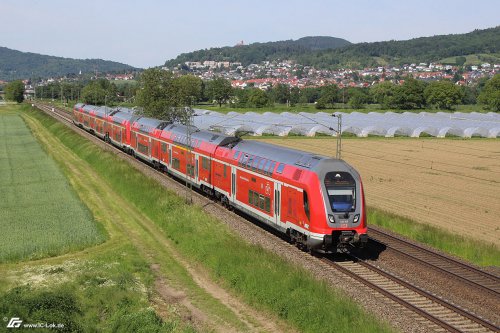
(40, 214)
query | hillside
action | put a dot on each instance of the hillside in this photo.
(21, 65)
(424, 49)
(318, 52)
(257, 52)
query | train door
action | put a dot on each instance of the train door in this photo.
(196, 169)
(277, 203)
(233, 184)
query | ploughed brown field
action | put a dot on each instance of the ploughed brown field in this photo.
(449, 183)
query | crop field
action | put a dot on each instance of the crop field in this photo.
(448, 183)
(40, 214)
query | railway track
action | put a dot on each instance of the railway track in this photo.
(458, 270)
(442, 314)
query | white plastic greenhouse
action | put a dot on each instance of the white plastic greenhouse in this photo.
(387, 124)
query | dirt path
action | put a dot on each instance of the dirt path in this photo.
(178, 282)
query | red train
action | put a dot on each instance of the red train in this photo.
(318, 201)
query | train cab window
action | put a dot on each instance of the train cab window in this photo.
(235, 156)
(164, 147)
(341, 189)
(225, 172)
(281, 167)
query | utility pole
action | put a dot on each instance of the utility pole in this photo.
(189, 157)
(339, 134)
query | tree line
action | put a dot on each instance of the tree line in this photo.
(163, 95)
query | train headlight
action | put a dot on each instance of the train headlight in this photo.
(331, 218)
(356, 218)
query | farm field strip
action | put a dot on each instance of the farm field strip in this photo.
(39, 210)
(459, 193)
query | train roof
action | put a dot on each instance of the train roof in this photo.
(147, 125)
(280, 154)
(79, 105)
(119, 117)
(219, 139)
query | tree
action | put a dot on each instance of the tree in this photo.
(294, 96)
(14, 91)
(490, 94)
(155, 94)
(220, 90)
(329, 95)
(382, 92)
(409, 95)
(98, 92)
(187, 89)
(357, 98)
(258, 98)
(281, 93)
(443, 94)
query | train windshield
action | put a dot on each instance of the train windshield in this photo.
(341, 189)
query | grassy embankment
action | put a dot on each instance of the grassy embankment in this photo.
(479, 253)
(264, 281)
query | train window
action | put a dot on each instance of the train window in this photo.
(306, 206)
(163, 147)
(266, 167)
(261, 164)
(225, 172)
(281, 167)
(267, 204)
(261, 201)
(271, 168)
(256, 199)
(205, 163)
(235, 156)
(255, 163)
(176, 163)
(249, 162)
(242, 158)
(250, 197)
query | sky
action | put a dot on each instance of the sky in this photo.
(146, 33)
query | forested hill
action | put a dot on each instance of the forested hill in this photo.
(316, 51)
(23, 65)
(257, 52)
(485, 43)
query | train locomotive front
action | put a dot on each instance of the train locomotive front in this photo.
(338, 217)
